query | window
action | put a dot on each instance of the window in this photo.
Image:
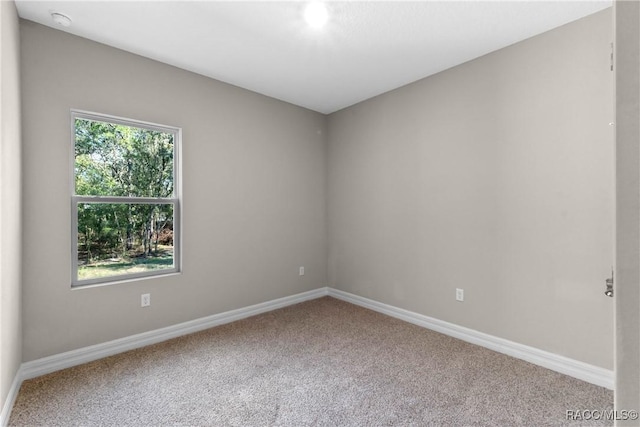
(125, 200)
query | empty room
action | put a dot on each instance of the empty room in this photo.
(319, 213)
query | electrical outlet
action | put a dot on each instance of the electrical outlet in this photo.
(145, 300)
(301, 271)
(459, 294)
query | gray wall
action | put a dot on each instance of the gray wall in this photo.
(627, 32)
(253, 187)
(496, 176)
(10, 195)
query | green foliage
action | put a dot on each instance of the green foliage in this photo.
(122, 161)
(119, 160)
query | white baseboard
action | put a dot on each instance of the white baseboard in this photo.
(574, 368)
(583, 371)
(49, 364)
(10, 400)
(71, 358)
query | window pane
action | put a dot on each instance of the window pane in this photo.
(116, 239)
(118, 160)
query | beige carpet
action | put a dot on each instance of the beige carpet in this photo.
(323, 362)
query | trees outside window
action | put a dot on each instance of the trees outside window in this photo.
(125, 203)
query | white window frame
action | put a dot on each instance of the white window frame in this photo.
(175, 200)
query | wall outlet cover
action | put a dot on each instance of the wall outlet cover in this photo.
(145, 300)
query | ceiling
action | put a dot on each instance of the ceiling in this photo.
(365, 49)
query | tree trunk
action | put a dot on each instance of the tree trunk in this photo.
(87, 243)
(129, 243)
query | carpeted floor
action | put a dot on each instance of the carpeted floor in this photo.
(323, 362)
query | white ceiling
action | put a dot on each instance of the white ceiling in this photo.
(366, 48)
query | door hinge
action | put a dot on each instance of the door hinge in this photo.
(609, 283)
(611, 57)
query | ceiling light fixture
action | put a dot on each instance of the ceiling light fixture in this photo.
(316, 14)
(61, 19)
